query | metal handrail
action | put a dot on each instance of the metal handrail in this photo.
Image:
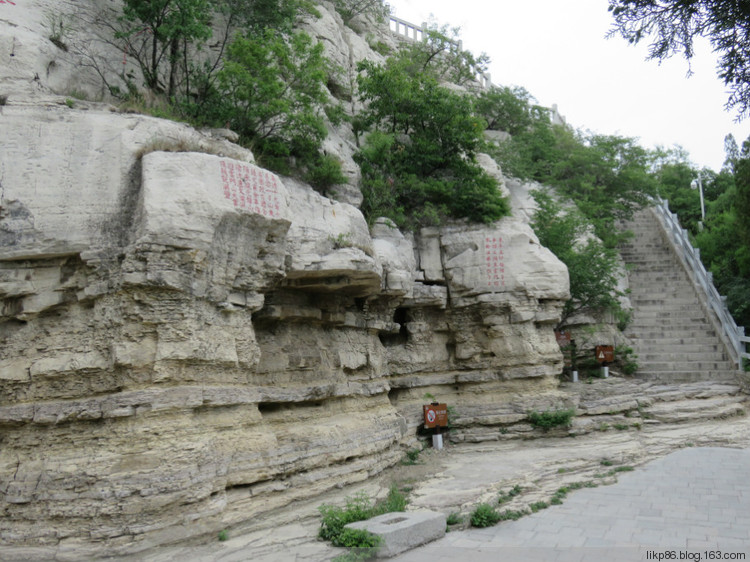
(734, 335)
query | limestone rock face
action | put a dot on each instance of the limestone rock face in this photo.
(190, 341)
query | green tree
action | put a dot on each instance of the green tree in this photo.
(506, 108)
(168, 39)
(673, 24)
(419, 161)
(593, 268)
(273, 94)
(725, 241)
(159, 32)
(607, 176)
(349, 9)
(441, 55)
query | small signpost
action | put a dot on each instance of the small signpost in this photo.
(605, 354)
(568, 348)
(436, 416)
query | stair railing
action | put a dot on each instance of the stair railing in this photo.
(734, 335)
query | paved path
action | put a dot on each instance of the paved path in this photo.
(693, 504)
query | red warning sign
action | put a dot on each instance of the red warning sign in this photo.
(605, 353)
(435, 415)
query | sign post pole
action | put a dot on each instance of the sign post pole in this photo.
(605, 354)
(436, 416)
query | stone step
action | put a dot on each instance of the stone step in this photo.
(686, 376)
(668, 337)
(669, 329)
(683, 366)
(695, 410)
(703, 389)
(657, 347)
(686, 313)
(687, 355)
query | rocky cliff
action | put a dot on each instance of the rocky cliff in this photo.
(189, 341)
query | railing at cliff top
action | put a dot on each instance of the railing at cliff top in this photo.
(414, 32)
(733, 334)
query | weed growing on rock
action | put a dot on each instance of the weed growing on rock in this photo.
(511, 515)
(357, 508)
(505, 497)
(454, 518)
(538, 506)
(551, 418)
(484, 515)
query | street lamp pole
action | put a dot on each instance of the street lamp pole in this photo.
(699, 184)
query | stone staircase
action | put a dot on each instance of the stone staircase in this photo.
(672, 334)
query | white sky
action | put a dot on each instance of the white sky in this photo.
(558, 52)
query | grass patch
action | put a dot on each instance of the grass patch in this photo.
(505, 497)
(551, 418)
(620, 469)
(454, 518)
(484, 515)
(357, 508)
(412, 455)
(538, 506)
(511, 515)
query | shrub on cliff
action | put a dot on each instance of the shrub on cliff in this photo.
(593, 268)
(607, 176)
(419, 159)
(272, 92)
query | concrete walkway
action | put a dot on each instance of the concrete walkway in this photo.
(693, 504)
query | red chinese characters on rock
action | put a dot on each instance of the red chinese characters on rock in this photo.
(251, 188)
(494, 261)
(7, 2)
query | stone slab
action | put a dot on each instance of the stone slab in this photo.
(402, 531)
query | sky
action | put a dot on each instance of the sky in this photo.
(558, 52)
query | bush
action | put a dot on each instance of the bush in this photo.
(325, 172)
(356, 538)
(272, 92)
(484, 515)
(357, 508)
(593, 268)
(551, 418)
(419, 160)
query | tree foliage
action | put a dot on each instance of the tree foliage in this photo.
(350, 9)
(441, 55)
(607, 176)
(593, 268)
(507, 108)
(273, 92)
(164, 37)
(724, 240)
(159, 34)
(418, 162)
(672, 26)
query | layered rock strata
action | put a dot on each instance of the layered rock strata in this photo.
(189, 341)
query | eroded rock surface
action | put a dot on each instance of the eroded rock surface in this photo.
(190, 341)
